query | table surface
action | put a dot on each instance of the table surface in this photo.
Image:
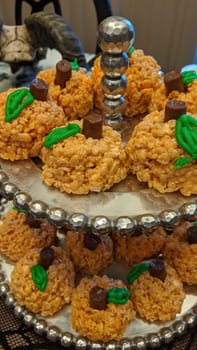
(13, 333)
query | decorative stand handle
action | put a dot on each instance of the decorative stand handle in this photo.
(115, 36)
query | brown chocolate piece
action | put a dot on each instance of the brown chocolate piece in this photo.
(174, 108)
(46, 257)
(39, 89)
(33, 222)
(173, 81)
(192, 235)
(157, 269)
(91, 241)
(93, 126)
(98, 298)
(63, 73)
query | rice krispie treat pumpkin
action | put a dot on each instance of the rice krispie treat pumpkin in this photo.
(25, 120)
(89, 253)
(86, 156)
(176, 86)
(180, 251)
(156, 290)
(143, 79)
(71, 88)
(140, 246)
(19, 233)
(162, 151)
(43, 280)
(101, 308)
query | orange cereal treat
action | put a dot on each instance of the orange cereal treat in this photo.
(180, 251)
(25, 121)
(43, 280)
(143, 79)
(71, 88)
(162, 153)
(101, 308)
(90, 160)
(133, 250)
(89, 253)
(156, 290)
(176, 86)
(19, 233)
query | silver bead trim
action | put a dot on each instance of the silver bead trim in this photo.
(8, 190)
(59, 217)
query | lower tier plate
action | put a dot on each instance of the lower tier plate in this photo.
(138, 335)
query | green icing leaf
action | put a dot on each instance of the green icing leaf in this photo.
(118, 295)
(16, 102)
(59, 134)
(131, 49)
(188, 76)
(74, 64)
(182, 161)
(20, 210)
(39, 276)
(186, 137)
(137, 271)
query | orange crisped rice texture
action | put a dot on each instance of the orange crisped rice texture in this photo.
(153, 150)
(23, 137)
(86, 260)
(159, 98)
(58, 289)
(17, 237)
(155, 300)
(76, 98)
(182, 255)
(85, 164)
(133, 250)
(96, 324)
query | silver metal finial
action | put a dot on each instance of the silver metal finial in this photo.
(115, 37)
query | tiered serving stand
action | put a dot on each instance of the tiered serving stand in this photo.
(129, 205)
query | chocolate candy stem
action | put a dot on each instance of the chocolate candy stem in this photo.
(192, 234)
(39, 89)
(46, 257)
(98, 298)
(93, 126)
(158, 269)
(174, 109)
(173, 81)
(63, 73)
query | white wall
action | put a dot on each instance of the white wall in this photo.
(166, 29)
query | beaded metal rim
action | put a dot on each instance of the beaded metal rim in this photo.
(100, 225)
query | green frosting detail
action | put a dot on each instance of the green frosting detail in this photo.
(39, 276)
(74, 64)
(195, 223)
(20, 210)
(189, 76)
(137, 271)
(118, 295)
(186, 136)
(59, 134)
(131, 49)
(16, 102)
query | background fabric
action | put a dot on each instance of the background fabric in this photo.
(14, 335)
